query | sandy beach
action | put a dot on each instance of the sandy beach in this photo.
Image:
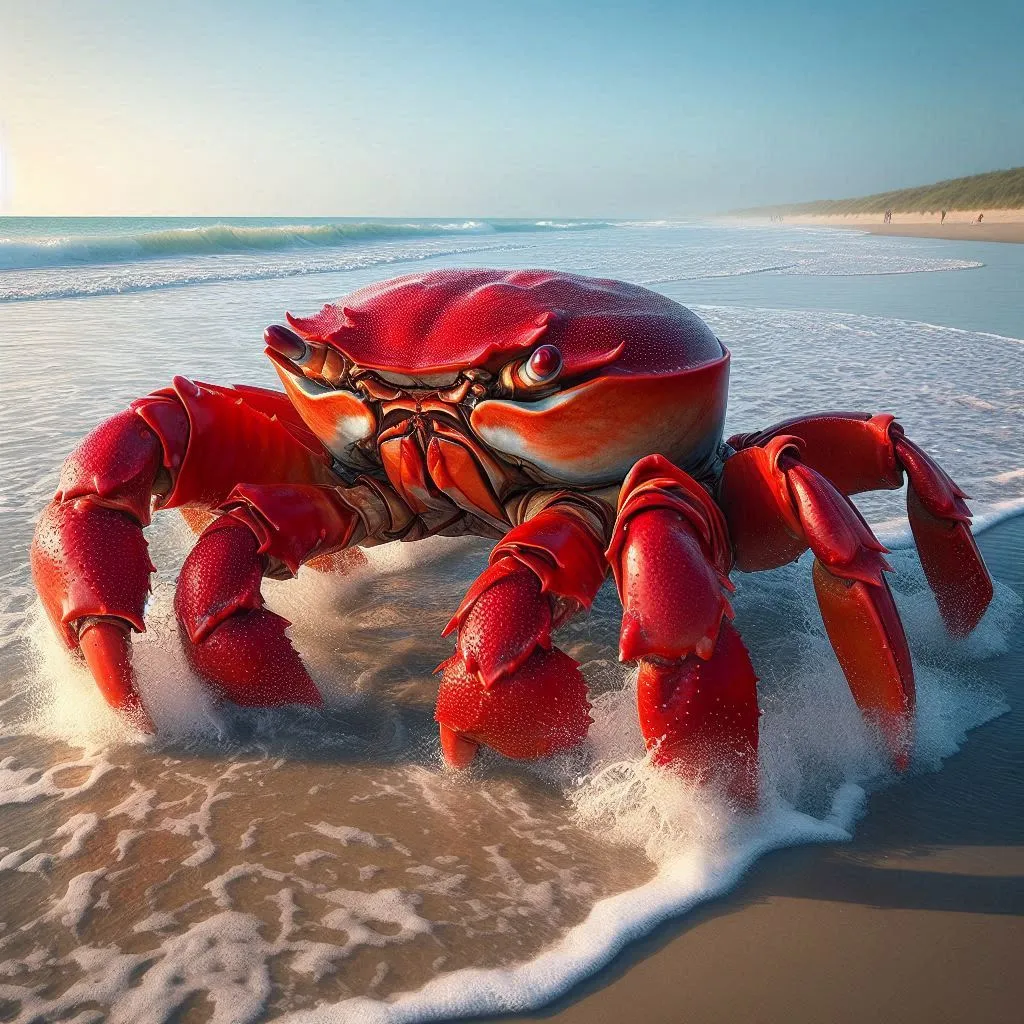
(959, 225)
(919, 919)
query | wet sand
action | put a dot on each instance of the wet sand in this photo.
(994, 232)
(919, 919)
(959, 225)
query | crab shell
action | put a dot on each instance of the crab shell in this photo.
(640, 374)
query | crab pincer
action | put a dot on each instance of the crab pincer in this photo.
(507, 686)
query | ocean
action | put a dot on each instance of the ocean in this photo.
(320, 866)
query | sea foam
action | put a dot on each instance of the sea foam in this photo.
(819, 763)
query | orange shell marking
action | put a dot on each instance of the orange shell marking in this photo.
(593, 433)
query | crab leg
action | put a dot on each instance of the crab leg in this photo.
(89, 558)
(696, 690)
(187, 446)
(776, 507)
(507, 686)
(860, 452)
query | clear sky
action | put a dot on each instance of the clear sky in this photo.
(403, 108)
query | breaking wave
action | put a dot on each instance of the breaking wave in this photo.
(223, 237)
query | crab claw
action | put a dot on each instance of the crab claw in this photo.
(696, 688)
(507, 686)
(228, 636)
(501, 632)
(538, 710)
(457, 750)
(89, 558)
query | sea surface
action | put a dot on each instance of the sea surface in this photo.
(321, 866)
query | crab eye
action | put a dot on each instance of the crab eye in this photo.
(534, 376)
(543, 366)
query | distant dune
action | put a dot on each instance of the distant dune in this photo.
(984, 207)
(996, 190)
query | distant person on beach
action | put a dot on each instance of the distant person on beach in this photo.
(942, 219)
(980, 215)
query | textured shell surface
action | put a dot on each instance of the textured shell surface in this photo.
(448, 320)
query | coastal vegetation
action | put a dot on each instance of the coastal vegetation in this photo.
(995, 190)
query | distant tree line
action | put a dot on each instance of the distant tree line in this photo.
(996, 190)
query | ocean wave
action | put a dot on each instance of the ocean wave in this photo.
(223, 237)
(96, 280)
(828, 265)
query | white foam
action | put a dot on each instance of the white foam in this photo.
(224, 957)
(357, 907)
(77, 900)
(682, 883)
(23, 785)
(816, 750)
(346, 834)
(818, 762)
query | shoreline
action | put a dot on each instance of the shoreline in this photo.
(959, 225)
(1007, 232)
(918, 917)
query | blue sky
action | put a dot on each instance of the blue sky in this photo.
(396, 108)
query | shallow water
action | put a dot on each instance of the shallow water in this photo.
(252, 865)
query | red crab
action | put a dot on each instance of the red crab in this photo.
(578, 422)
